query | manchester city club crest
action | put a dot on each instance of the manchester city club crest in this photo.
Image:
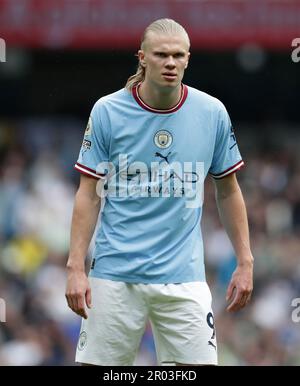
(163, 139)
(82, 341)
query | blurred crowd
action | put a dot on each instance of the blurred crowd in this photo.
(37, 186)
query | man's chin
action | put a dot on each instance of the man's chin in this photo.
(170, 85)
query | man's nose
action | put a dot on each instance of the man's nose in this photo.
(170, 62)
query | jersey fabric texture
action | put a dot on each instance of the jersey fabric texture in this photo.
(154, 236)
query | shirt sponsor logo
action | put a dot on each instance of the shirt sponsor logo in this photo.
(163, 178)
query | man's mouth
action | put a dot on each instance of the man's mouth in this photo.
(169, 75)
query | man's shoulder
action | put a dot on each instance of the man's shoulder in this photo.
(201, 98)
(115, 97)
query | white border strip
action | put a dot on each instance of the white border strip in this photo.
(240, 164)
(80, 168)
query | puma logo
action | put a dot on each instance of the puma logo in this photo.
(211, 344)
(157, 154)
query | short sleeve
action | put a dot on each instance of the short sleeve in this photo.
(226, 157)
(93, 155)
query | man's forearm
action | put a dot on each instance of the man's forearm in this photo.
(233, 215)
(84, 220)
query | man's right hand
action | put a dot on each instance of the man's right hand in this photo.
(78, 292)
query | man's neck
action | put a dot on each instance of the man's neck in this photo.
(159, 98)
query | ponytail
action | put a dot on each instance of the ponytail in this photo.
(138, 77)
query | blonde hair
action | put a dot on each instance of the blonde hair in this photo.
(160, 26)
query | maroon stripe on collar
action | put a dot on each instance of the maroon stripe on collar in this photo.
(184, 93)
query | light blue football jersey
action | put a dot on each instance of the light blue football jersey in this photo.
(154, 163)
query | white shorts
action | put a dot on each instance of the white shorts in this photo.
(180, 315)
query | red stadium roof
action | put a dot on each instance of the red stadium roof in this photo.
(118, 24)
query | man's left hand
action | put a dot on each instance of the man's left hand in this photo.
(240, 287)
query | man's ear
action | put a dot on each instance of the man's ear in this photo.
(141, 56)
(187, 63)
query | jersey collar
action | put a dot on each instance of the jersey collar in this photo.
(184, 92)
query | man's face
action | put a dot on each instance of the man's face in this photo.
(165, 58)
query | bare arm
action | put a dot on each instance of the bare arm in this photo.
(233, 216)
(85, 215)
